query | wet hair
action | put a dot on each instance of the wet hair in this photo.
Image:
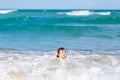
(58, 51)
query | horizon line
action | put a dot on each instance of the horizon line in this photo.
(50, 9)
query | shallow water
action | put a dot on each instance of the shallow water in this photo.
(79, 65)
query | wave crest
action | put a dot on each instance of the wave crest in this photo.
(84, 13)
(6, 11)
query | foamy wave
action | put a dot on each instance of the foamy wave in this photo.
(76, 13)
(80, 65)
(84, 13)
(102, 13)
(6, 11)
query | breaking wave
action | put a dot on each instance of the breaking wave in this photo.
(6, 11)
(79, 65)
(84, 13)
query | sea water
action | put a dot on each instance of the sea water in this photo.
(79, 65)
(29, 40)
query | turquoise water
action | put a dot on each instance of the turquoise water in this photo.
(29, 40)
(96, 30)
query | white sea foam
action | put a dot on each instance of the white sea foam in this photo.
(102, 13)
(79, 65)
(84, 13)
(76, 13)
(6, 11)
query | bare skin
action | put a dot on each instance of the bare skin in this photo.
(62, 54)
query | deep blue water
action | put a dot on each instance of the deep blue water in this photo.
(96, 30)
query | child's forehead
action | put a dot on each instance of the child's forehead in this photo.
(62, 51)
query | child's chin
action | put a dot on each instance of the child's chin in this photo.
(64, 57)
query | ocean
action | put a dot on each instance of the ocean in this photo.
(29, 40)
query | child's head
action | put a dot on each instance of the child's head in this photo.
(61, 53)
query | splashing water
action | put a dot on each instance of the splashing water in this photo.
(79, 65)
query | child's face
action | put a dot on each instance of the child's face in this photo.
(62, 54)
